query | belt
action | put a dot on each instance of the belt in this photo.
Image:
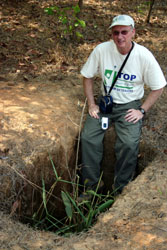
(117, 104)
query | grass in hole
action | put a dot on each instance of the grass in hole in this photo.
(80, 215)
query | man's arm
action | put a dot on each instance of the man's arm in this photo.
(151, 99)
(88, 90)
(134, 115)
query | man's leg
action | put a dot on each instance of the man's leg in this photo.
(92, 151)
(126, 149)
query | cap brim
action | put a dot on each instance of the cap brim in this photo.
(121, 24)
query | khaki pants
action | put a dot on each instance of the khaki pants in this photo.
(126, 147)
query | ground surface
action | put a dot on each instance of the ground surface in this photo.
(40, 107)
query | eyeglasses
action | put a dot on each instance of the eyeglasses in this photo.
(123, 32)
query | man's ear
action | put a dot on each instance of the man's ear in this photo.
(134, 32)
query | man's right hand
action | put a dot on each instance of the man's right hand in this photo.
(94, 110)
(88, 89)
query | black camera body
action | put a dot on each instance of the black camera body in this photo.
(105, 104)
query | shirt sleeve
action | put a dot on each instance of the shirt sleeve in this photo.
(91, 67)
(153, 75)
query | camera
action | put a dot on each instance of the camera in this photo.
(104, 123)
(105, 104)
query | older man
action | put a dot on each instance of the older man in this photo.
(127, 110)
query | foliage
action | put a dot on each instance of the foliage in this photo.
(68, 18)
(84, 213)
(150, 10)
(80, 215)
(144, 7)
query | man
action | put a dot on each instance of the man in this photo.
(127, 111)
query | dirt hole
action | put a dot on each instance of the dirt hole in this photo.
(39, 194)
(33, 204)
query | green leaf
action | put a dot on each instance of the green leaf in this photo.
(78, 34)
(104, 206)
(54, 169)
(93, 193)
(70, 28)
(76, 9)
(76, 24)
(64, 20)
(141, 11)
(52, 224)
(49, 11)
(64, 229)
(44, 195)
(67, 204)
(77, 208)
(60, 18)
(82, 23)
(66, 9)
(147, 3)
(89, 218)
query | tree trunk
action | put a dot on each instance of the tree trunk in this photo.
(149, 13)
(80, 4)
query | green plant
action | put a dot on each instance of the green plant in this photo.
(146, 7)
(142, 8)
(68, 18)
(83, 215)
(79, 215)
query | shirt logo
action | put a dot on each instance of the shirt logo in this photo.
(125, 80)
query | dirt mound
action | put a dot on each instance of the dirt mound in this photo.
(36, 127)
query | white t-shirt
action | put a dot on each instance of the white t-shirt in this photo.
(141, 68)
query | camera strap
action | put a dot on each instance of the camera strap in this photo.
(123, 64)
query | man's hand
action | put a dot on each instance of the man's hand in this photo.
(94, 110)
(133, 115)
(88, 89)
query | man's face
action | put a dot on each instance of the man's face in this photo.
(122, 36)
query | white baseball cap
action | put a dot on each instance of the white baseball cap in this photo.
(122, 20)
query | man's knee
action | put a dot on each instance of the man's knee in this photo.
(127, 147)
(131, 144)
(87, 139)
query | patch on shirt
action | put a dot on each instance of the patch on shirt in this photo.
(125, 82)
